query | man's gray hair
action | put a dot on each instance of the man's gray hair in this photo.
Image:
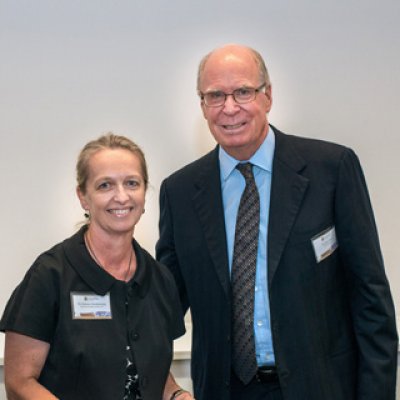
(263, 71)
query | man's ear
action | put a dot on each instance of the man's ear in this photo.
(268, 95)
(204, 109)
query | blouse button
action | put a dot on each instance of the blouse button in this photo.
(143, 381)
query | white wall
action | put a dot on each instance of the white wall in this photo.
(71, 70)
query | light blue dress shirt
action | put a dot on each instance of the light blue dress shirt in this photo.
(233, 184)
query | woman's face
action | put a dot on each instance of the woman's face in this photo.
(115, 191)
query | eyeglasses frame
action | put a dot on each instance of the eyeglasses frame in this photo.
(256, 91)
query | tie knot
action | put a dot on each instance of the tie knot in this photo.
(246, 169)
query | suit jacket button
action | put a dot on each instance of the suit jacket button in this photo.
(134, 336)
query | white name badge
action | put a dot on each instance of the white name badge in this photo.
(87, 305)
(325, 243)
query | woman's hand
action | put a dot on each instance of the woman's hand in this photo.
(173, 391)
(181, 394)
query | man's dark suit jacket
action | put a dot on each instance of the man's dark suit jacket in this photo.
(333, 322)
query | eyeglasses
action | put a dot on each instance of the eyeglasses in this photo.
(241, 95)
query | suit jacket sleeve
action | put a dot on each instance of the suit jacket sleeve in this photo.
(371, 303)
(165, 247)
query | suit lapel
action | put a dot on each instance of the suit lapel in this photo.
(208, 203)
(287, 191)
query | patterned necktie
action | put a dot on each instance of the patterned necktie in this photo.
(243, 278)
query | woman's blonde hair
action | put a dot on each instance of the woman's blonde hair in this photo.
(107, 141)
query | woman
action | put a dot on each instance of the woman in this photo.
(95, 316)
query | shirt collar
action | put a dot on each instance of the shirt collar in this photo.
(262, 158)
(99, 280)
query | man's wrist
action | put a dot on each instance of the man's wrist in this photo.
(177, 392)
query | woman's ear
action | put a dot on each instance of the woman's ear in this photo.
(82, 199)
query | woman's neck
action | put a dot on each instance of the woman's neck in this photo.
(113, 253)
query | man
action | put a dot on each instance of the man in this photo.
(321, 314)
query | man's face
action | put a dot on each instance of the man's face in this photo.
(239, 128)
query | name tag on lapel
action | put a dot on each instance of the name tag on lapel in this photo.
(324, 244)
(87, 305)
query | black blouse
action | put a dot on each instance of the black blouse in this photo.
(88, 355)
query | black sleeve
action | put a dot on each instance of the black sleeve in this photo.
(165, 247)
(371, 302)
(32, 309)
